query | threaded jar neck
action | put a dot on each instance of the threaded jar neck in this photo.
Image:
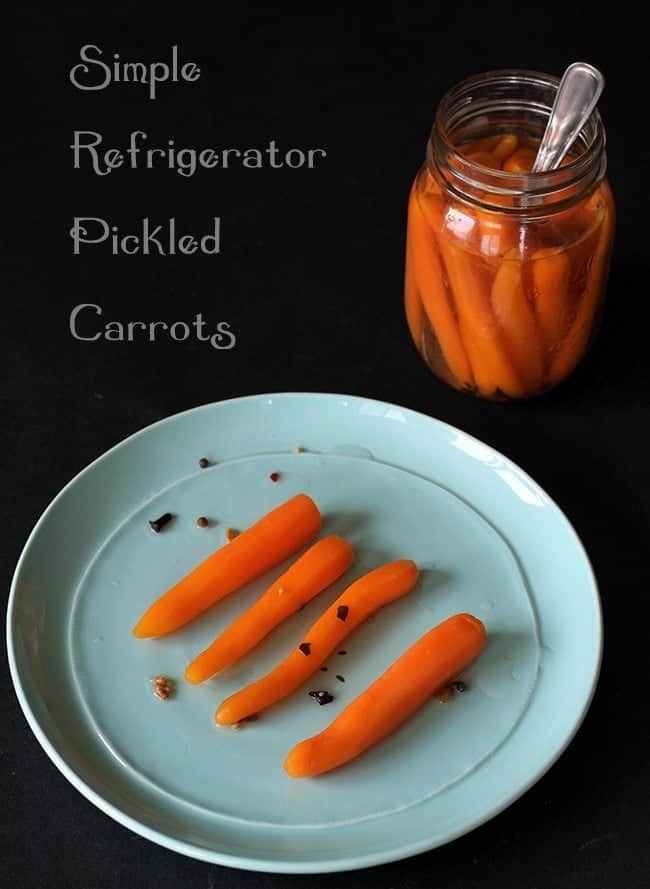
(506, 101)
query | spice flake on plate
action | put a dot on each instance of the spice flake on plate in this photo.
(321, 697)
(162, 687)
(158, 524)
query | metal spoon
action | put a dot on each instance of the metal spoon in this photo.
(576, 98)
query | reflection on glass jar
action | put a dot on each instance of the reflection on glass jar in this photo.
(506, 270)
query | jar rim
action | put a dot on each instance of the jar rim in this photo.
(525, 189)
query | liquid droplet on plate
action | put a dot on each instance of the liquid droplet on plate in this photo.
(350, 450)
(488, 605)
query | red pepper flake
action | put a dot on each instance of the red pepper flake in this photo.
(342, 612)
(459, 686)
(158, 524)
(321, 697)
(342, 652)
(305, 647)
(274, 476)
(324, 669)
(340, 678)
(202, 522)
(204, 462)
(231, 533)
(444, 695)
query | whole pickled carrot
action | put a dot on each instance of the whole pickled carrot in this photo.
(506, 146)
(493, 369)
(412, 300)
(521, 161)
(517, 320)
(551, 270)
(423, 669)
(577, 339)
(314, 571)
(429, 276)
(320, 566)
(358, 602)
(269, 541)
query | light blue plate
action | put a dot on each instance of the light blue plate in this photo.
(396, 484)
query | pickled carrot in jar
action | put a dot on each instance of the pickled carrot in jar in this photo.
(577, 339)
(429, 278)
(551, 270)
(486, 158)
(521, 161)
(516, 319)
(492, 367)
(506, 146)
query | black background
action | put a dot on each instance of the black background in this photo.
(310, 279)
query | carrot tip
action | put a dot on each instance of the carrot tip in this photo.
(474, 622)
(192, 677)
(292, 766)
(221, 717)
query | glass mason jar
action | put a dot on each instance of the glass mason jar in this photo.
(506, 270)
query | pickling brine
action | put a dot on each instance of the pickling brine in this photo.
(506, 270)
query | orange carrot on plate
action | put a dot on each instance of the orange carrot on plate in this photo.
(269, 541)
(358, 602)
(314, 571)
(425, 668)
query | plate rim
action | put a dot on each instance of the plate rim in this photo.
(307, 866)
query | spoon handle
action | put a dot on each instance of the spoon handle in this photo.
(576, 98)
